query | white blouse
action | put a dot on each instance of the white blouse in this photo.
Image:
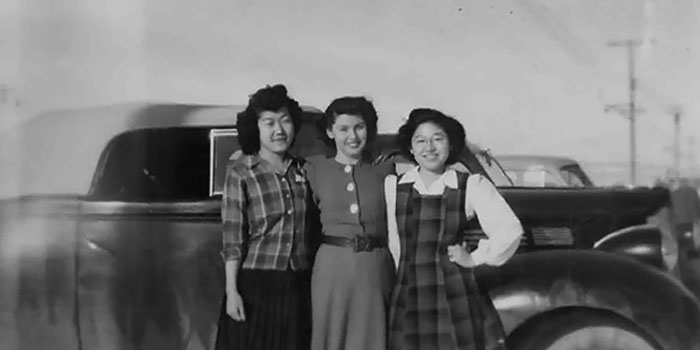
(499, 223)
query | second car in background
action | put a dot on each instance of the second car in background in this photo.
(544, 171)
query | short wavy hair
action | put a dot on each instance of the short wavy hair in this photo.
(270, 98)
(456, 135)
(353, 105)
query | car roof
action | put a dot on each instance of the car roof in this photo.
(524, 161)
(68, 143)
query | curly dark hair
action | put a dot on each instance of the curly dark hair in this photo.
(353, 105)
(456, 135)
(270, 98)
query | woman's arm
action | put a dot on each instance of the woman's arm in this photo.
(392, 229)
(314, 227)
(310, 172)
(235, 238)
(497, 220)
(234, 302)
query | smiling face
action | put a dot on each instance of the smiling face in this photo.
(349, 132)
(276, 131)
(430, 147)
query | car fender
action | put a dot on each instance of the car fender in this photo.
(535, 283)
(654, 243)
(640, 242)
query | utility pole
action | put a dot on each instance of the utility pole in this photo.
(676, 112)
(691, 155)
(630, 45)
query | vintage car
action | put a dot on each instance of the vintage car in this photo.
(114, 241)
(544, 171)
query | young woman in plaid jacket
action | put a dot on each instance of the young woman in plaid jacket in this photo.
(265, 205)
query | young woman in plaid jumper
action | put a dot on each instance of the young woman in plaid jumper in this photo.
(436, 303)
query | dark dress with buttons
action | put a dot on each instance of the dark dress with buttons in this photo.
(350, 290)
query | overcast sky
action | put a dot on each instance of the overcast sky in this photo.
(524, 76)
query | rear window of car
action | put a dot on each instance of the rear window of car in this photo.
(169, 164)
(224, 146)
(177, 164)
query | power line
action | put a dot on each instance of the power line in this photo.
(561, 34)
(575, 46)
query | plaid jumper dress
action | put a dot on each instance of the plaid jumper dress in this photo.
(436, 304)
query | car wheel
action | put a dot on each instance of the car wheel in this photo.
(581, 329)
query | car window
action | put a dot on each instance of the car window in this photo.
(516, 176)
(176, 164)
(168, 164)
(539, 176)
(552, 180)
(492, 168)
(404, 164)
(572, 178)
(575, 176)
(224, 145)
(534, 177)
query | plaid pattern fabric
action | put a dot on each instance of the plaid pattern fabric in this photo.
(437, 304)
(264, 215)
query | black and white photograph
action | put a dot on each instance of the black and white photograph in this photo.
(350, 175)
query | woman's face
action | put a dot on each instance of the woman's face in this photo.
(276, 131)
(350, 135)
(430, 146)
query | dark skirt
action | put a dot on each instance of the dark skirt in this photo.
(277, 307)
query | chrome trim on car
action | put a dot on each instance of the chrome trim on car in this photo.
(541, 236)
(618, 233)
(213, 134)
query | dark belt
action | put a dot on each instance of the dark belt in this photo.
(359, 243)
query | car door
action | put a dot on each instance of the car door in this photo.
(148, 265)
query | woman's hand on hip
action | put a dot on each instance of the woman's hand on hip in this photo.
(234, 306)
(459, 255)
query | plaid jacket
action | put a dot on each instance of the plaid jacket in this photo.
(264, 215)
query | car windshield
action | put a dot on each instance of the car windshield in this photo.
(493, 169)
(574, 176)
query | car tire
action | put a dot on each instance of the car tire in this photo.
(580, 329)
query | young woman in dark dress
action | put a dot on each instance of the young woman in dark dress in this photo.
(353, 272)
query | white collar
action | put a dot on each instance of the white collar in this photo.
(447, 179)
